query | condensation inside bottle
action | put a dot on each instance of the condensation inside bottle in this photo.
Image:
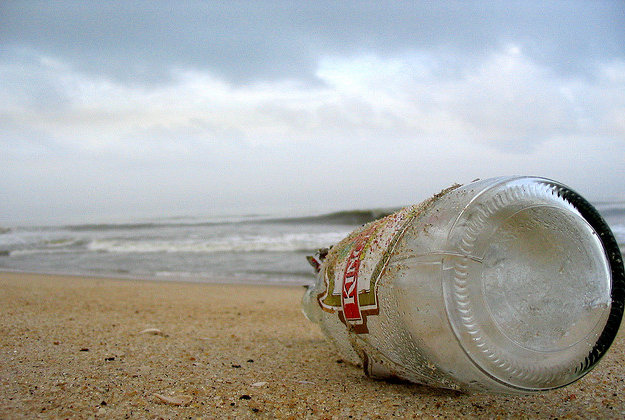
(545, 279)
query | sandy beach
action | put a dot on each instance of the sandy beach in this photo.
(79, 347)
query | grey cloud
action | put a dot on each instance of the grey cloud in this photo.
(29, 84)
(110, 106)
(140, 41)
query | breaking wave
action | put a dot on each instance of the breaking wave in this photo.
(304, 242)
(351, 218)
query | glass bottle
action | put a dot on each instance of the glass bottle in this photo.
(511, 284)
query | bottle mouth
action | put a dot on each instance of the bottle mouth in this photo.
(536, 296)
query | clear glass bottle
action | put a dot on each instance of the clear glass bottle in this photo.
(511, 285)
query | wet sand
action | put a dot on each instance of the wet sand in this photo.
(80, 347)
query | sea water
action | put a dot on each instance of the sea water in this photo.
(249, 249)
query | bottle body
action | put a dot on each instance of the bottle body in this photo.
(501, 285)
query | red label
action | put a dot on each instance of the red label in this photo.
(351, 309)
(349, 296)
(353, 267)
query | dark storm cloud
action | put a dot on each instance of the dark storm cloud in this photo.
(244, 41)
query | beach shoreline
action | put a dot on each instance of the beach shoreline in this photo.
(174, 278)
(87, 346)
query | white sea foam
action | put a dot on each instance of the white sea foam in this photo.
(290, 242)
(619, 234)
(35, 251)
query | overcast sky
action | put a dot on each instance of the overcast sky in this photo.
(113, 110)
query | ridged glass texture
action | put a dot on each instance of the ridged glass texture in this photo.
(510, 285)
(534, 295)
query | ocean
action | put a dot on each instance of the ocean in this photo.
(247, 249)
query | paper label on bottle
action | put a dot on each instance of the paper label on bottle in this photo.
(354, 267)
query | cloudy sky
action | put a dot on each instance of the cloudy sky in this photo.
(113, 110)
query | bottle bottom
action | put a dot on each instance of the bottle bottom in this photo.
(533, 295)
